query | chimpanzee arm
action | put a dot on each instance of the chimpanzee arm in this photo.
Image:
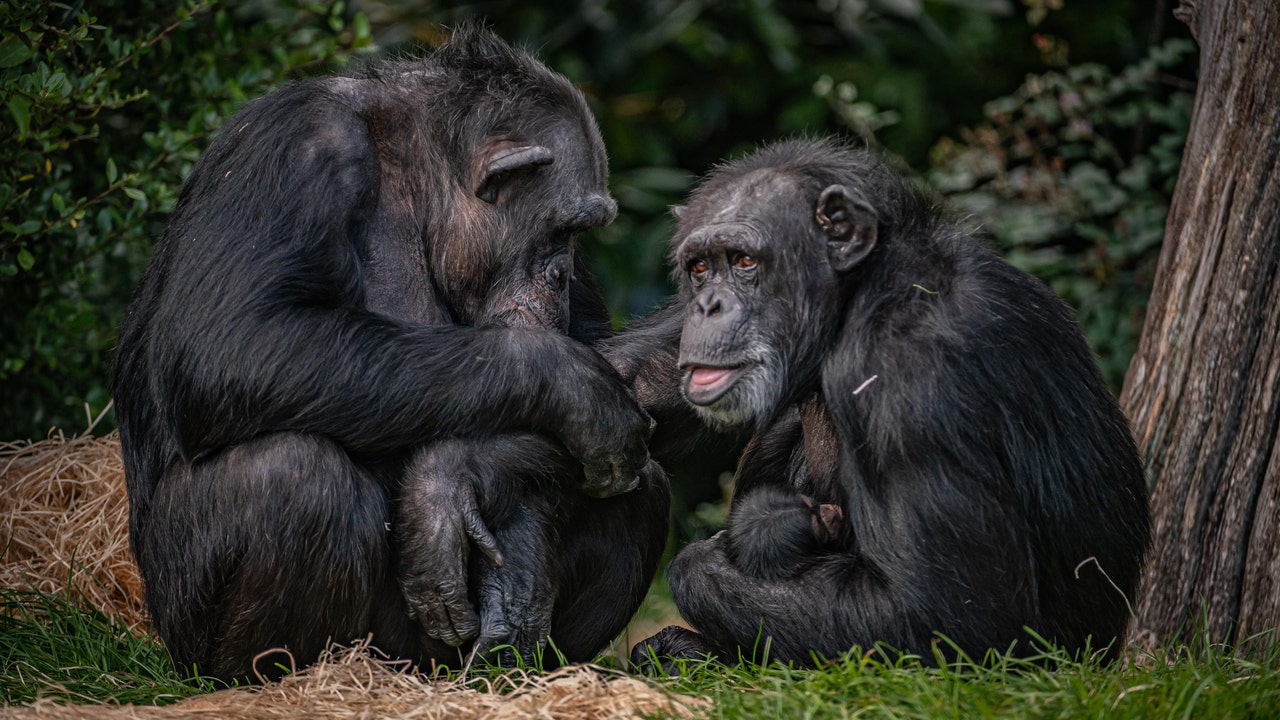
(255, 321)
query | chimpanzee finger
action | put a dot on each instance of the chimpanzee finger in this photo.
(495, 630)
(449, 617)
(479, 533)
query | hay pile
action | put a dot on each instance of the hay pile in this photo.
(64, 513)
(351, 683)
(63, 519)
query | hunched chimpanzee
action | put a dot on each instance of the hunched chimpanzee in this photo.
(934, 453)
(362, 276)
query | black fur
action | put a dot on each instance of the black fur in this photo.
(895, 368)
(359, 268)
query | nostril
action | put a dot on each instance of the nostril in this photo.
(709, 305)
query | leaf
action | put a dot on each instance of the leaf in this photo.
(135, 193)
(13, 51)
(25, 259)
(20, 109)
(361, 26)
(111, 170)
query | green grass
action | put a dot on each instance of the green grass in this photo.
(56, 646)
(1177, 684)
(52, 646)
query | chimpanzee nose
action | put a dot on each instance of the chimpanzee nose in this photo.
(557, 272)
(708, 304)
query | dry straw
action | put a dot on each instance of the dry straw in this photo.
(63, 512)
(352, 683)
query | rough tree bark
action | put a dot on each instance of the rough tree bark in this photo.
(1203, 390)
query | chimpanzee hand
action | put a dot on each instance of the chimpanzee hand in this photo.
(436, 520)
(603, 426)
(773, 531)
(826, 521)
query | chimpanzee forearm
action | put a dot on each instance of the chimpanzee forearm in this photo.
(412, 384)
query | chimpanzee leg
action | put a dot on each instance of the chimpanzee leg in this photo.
(280, 542)
(608, 550)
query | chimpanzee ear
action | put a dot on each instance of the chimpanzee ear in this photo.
(506, 160)
(850, 224)
(677, 211)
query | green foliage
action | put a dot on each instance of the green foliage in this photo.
(1072, 177)
(105, 108)
(55, 646)
(679, 86)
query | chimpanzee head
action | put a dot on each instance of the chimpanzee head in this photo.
(510, 169)
(762, 254)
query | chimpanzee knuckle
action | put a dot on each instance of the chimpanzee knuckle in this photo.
(604, 482)
(466, 627)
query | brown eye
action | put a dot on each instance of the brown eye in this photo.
(744, 262)
(699, 267)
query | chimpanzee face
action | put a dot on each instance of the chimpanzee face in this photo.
(760, 257)
(539, 187)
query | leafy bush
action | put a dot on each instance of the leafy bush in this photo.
(1072, 177)
(101, 123)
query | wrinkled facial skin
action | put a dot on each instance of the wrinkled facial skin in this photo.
(734, 260)
(759, 257)
(545, 207)
(533, 190)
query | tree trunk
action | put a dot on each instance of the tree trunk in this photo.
(1203, 390)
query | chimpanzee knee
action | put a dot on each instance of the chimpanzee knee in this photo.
(609, 550)
(275, 543)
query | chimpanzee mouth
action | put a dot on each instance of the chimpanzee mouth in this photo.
(704, 384)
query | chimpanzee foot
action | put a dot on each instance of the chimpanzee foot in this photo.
(666, 651)
(516, 601)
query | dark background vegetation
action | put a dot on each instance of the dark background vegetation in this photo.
(1055, 125)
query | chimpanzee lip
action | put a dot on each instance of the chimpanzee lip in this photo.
(705, 384)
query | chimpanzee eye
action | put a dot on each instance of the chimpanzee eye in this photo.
(744, 262)
(699, 267)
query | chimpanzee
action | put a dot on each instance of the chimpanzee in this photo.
(362, 276)
(934, 453)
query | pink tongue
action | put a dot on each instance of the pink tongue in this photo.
(708, 376)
